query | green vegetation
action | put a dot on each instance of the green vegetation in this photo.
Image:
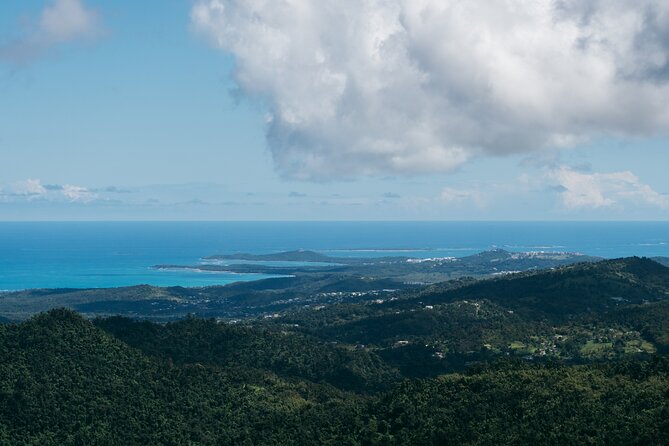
(573, 355)
(574, 314)
(66, 382)
(286, 353)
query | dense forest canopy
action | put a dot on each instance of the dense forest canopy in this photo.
(572, 355)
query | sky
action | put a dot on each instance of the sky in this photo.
(334, 110)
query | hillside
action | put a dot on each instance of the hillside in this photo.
(64, 381)
(567, 355)
(286, 353)
(580, 313)
(568, 290)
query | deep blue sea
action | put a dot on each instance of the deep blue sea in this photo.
(106, 254)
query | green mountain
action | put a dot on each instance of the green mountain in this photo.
(579, 313)
(571, 355)
(287, 353)
(64, 381)
(568, 290)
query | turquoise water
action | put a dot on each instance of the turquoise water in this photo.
(105, 254)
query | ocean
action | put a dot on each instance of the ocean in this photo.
(112, 254)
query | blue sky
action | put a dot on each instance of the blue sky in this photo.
(187, 110)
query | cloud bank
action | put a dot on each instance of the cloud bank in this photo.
(603, 190)
(60, 21)
(378, 87)
(34, 190)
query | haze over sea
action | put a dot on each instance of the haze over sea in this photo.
(111, 254)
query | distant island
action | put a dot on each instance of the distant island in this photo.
(400, 268)
(292, 256)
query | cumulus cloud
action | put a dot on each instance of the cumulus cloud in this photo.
(367, 87)
(27, 188)
(600, 190)
(60, 21)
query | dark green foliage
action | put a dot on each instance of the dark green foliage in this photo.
(63, 381)
(581, 313)
(290, 354)
(570, 290)
(652, 320)
(380, 371)
(623, 405)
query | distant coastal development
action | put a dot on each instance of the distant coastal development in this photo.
(306, 275)
(107, 255)
(399, 268)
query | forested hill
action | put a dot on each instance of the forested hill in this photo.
(568, 290)
(571, 355)
(286, 353)
(576, 314)
(64, 381)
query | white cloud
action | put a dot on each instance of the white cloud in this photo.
(601, 190)
(28, 188)
(366, 87)
(78, 193)
(60, 21)
(32, 189)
